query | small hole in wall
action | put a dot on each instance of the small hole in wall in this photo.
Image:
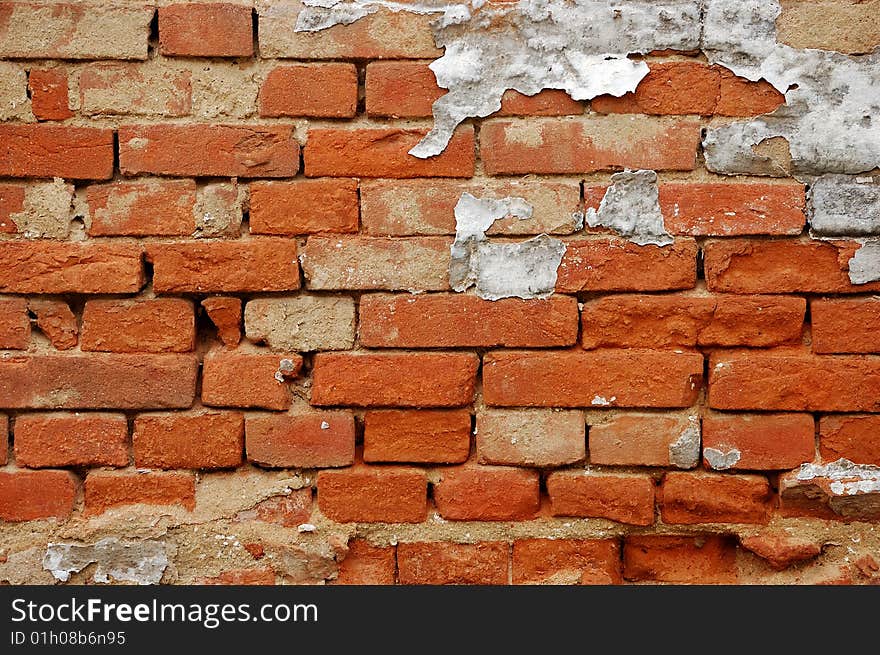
(701, 268)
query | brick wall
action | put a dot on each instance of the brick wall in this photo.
(229, 333)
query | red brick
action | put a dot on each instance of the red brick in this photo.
(794, 381)
(207, 440)
(566, 561)
(373, 494)
(327, 90)
(206, 30)
(98, 380)
(261, 264)
(57, 267)
(627, 498)
(108, 489)
(549, 102)
(853, 437)
(15, 325)
(394, 379)
(765, 442)
(148, 325)
(200, 150)
(487, 493)
(427, 207)
(12, 198)
(456, 320)
(63, 439)
(75, 153)
(134, 90)
(595, 143)
(30, 495)
(732, 209)
(48, 89)
(436, 436)
(640, 321)
(781, 550)
(315, 440)
(225, 314)
(56, 321)
(438, 563)
(4, 439)
(384, 152)
(646, 440)
(715, 498)
(304, 207)
(289, 511)
(780, 266)
(610, 264)
(530, 437)
(367, 565)
(239, 577)
(704, 559)
(366, 263)
(143, 208)
(741, 97)
(631, 378)
(248, 379)
(401, 89)
(845, 326)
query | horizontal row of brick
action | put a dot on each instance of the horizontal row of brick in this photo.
(454, 321)
(208, 440)
(416, 264)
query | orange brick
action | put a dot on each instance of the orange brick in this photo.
(530, 437)
(566, 561)
(327, 90)
(314, 440)
(4, 439)
(145, 208)
(150, 325)
(627, 498)
(108, 489)
(438, 563)
(56, 321)
(845, 326)
(742, 97)
(456, 320)
(715, 498)
(610, 264)
(394, 379)
(765, 442)
(261, 264)
(780, 266)
(549, 102)
(290, 510)
(225, 314)
(48, 88)
(667, 321)
(855, 437)
(63, 439)
(97, 381)
(70, 267)
(367, 565)
(437, 436)
(200, 150)
(384, 152)
(631, 378)
(30, 495)
(248, 379)
(669, 88)
(595, 143)
(705, 559)
(487, 493)
(732, 209)
(207, 440)
(75, 153)
(800, 382)
(134, 90)
(12, 198)
(15, 325)
(304, 207)
(206, 30)
(646, 440)
(372, 494)
(401, 89)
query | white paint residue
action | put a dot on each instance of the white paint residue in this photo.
(285, 368)
(842, 469)
(306, 527)
(684, 452)
(631, 207)
(721, 460)
(141, 562)
(864, 265)
(602, 401)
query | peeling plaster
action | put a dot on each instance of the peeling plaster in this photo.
(631, 207)
(496, 270)
(847, 478)
(142, 562)
(721, 460)
(864, 266)
(845, 205)
(684, 452)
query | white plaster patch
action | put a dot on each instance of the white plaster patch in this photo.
(851, 478)
(845, 205)
(141, 562)
(864, 265)
(721, 460)
(631, 207)
(684, 452)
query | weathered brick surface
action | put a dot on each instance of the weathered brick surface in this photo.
(104, 490)
(318, 440)
(77, 153)
(304, 206)
(319, 90)
(65, 439)
(205, 30)
(152, 207)
(487, 493)
(124, 326)
(206, 440)
(566, 561)
(387, 494)
(393, 435)
(627, 498)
